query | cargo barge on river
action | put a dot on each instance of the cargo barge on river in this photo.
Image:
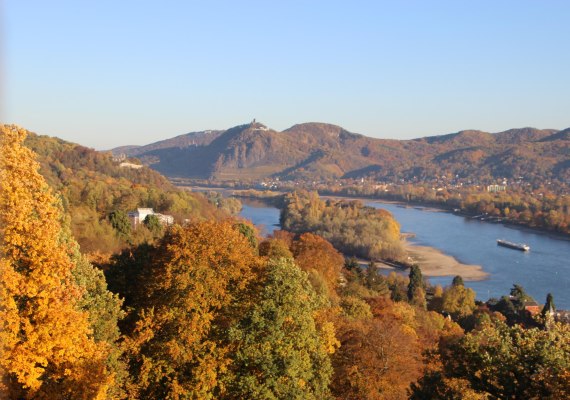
(511, 245)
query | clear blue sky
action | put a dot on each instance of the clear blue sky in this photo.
(108, 73)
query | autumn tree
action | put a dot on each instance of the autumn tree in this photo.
(197, 281)
(499, 361)
(48, 349)
(281, 354)
(379, 357)
(436, 301)
(398, 286)
(312, 252)
(458, 300)
(274, 248)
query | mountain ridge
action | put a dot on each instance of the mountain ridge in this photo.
(317, 150)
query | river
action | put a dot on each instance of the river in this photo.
(545, 268)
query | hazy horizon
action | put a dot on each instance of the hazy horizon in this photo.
(108, 74)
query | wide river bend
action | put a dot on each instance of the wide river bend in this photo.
(545, 268)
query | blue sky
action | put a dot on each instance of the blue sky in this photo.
(108, 73)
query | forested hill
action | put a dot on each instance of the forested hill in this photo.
(93, 185)
(320, 151)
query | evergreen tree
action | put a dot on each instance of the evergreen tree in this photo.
(549, 306)
(519, 297)
(351, 264)
(121, 223)
(457, 281)
(48, 350)
(153, 224)
(281, 354)
(374, 280)
(506, 307)
(416, 281)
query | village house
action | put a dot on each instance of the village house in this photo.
(532, 307)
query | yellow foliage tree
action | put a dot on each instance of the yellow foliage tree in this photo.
(47, 346)
(197, 285)
(312, 252)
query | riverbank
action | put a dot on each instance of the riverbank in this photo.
(435, 263)
(429, 206)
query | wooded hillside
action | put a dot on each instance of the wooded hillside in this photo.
(315, 151)
(92, 186)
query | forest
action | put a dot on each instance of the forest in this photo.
(350, 226)
(208, 309)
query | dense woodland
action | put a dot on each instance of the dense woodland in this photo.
(209, 310)
(351, 227)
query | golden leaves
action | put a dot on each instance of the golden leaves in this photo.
(48, 350)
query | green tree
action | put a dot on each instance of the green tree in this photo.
(519, 297)
(506, 307)
(351, 263)
(121, 223)
(355, 308)
(281, 354)
(416, 282)
(249, 232)
(105, 312)
(153, 224)
(506, 362)
(375, 281)
(457, 281)
(549, 306)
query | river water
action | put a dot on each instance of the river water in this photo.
(545, 268)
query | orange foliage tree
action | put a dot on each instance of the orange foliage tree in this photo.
(48, 350)
(381, 355)
(198, 284)
(312, 252)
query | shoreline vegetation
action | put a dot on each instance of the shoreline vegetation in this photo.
(416, 201)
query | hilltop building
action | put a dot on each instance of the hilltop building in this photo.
(130, 165)
(496, 188)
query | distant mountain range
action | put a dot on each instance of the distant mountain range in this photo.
(323, 151)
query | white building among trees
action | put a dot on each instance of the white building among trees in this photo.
(138, 216)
